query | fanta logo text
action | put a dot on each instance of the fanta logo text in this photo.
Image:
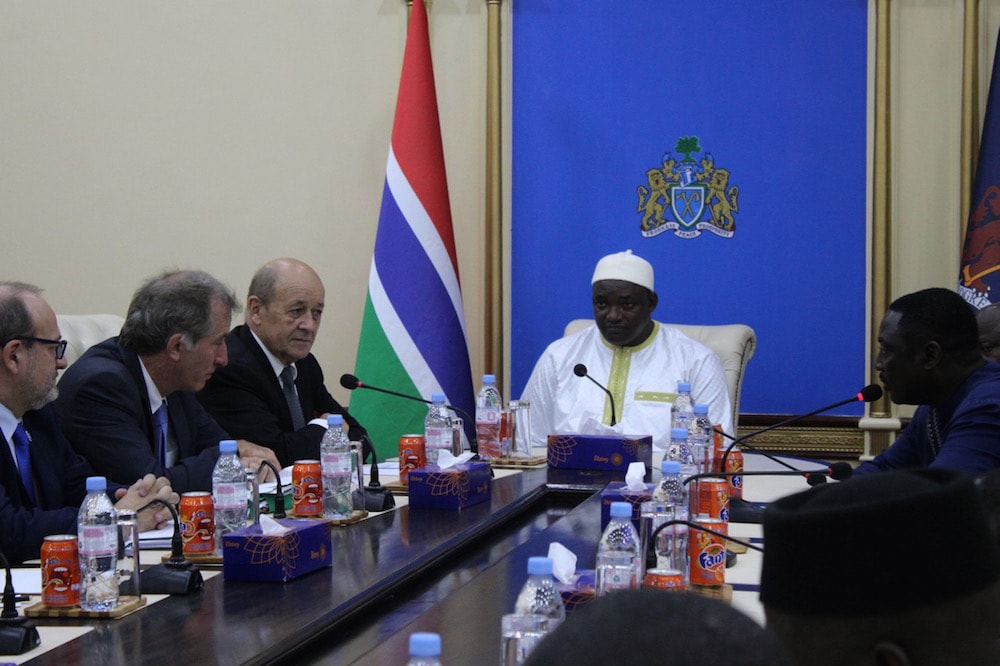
(737, 481)
(711, 560)
(724, 514)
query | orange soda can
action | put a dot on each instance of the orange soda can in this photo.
(713, 498)
(412, 455)
(197, 518)
(670, 580)
(707, 554)
(720, 449)
(307, 488)
(60, 571)
(734, 463)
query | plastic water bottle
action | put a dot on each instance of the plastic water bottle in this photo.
(683, 410)
(336, 457)
(679, 449)
(673, 541)
(538, 610)
(437, 428)
(97, 535)
(489, 406)
(618, 560)
(539, 595)
(701, 437)
(425, 649)
(229, 492)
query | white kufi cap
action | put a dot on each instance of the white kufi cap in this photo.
(625, 266)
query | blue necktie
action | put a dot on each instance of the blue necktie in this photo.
(160, 421)
(21, 442)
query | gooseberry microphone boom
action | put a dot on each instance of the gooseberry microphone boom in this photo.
(869, 393)
(580, 370)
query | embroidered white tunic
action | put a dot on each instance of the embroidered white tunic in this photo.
(643, 380)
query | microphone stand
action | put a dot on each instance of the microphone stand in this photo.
(17, 635)
(177, 575)
(279, 494)
(374, 496)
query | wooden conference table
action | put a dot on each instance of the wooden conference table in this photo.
(451, 572)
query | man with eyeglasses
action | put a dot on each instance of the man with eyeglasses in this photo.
(42, 481)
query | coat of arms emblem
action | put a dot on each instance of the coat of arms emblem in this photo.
(689, 196)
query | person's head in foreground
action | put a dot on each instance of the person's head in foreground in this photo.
(657, 627)
(891, 569)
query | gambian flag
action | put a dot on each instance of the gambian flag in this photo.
(413, 337)
(979, 274)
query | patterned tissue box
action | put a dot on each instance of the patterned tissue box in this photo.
(457, 487)
(247, 554)
(600, 452)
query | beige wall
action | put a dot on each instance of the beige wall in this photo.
(138, 135)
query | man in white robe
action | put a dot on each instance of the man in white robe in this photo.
(639, 360)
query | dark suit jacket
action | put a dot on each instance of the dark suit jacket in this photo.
(60, 484)
(246, 399)
(104, 411)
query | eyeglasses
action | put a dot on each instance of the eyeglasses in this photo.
(60, 344)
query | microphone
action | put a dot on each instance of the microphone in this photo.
(176, 575)
(748, 512)
(869, 393)
(17, 635)
(580, 370)
(350, 382)
(814, 477)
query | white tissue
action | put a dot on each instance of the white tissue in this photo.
(634, 477)
(446, 459)
(591, 426)
(271, 527)
(563, 563)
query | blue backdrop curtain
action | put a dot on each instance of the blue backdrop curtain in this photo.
(772, 92)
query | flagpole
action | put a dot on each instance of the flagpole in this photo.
(970, 106)
(493, 328)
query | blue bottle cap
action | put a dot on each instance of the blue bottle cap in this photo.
(425, 644)
(227, 446)
(701, 409)
(96, 483)
(670, 466)
(335, 420)
(683, 387)
(678, 433)
(539, 566)
(437, 398)
(621, 510)
(489, 379)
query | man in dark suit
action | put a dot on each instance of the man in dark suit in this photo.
(128, 405)
(42, 481)
(272, 389)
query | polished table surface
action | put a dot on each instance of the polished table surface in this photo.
(452, 572)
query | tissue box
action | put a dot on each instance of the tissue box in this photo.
(249, 555)
(602, 452)
(619, 492)
(457, 487)
(580, 592)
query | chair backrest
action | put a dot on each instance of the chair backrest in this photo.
(84, 331)
(734, 344)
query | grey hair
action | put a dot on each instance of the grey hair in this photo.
(15, 320)
(173, 302)
(264, 284)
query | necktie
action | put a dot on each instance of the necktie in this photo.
(21, 441)
(291, 397)
(160, 423)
